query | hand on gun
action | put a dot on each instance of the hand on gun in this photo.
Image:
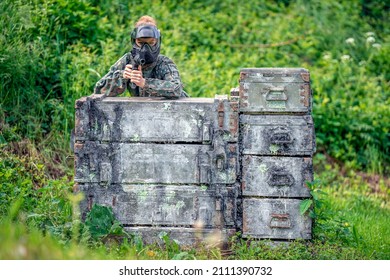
(135, 76)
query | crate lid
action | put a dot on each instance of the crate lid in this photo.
(261, 75)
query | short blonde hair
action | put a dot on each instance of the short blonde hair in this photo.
(146, 20)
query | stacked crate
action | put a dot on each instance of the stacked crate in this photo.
(277, 142)
(193, 167)
(162, 165)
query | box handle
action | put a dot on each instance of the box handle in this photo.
(220, 162)
(276, 94)
(280, 221)
(281, 136)
(280, 179)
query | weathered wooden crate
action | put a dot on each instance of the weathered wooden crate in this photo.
(275, 90)
(142, 163)
(156, 120)
(160, 163)
(165, 205)
(277, 142)
(275, 219)
(276, 176)
(281, 135)
(202, 168)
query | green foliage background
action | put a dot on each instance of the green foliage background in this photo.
(52, 52)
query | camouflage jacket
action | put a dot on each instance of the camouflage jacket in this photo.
(162, 79)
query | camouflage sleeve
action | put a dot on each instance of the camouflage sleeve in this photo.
(167, 82)
(113, 83)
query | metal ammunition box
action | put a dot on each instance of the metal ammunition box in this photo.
(282, 135)
(276, 176)
(275, 90)
(277, 143)
(275, 219)
(160, 163)
(165, 205)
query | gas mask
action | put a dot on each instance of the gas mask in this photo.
(145, 53)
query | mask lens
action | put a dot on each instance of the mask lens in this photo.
(150, 41)
(153, 47)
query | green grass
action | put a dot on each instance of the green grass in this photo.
(367, 212)
(360, 202)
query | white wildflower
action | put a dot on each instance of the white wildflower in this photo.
(377, 46)
(370, 34)
(327, 56)
(350, 41)
(345, 57)
(370, 39)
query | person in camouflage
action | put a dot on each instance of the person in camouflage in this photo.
(143, 71)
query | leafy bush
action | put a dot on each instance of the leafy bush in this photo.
(54, 51)
(43, 202)
(101, 223)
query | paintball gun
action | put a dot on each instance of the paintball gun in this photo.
(139, 59)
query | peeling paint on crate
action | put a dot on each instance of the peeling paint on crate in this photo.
(263, 168)
(274, 149)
